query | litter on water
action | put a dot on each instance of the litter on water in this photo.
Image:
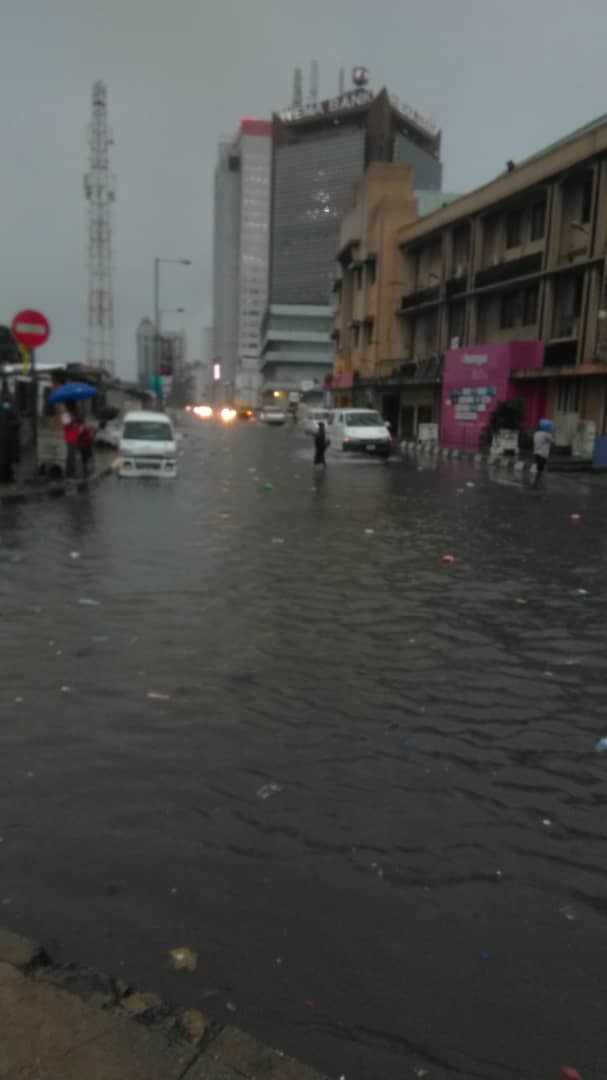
(267, 790)
(230, 1006)
(582, 592)
(277, 540)
(87, 601)
(65, 689)
(601, 746)
(74, 554)
(447, 560)
(369, 532)
(152, 695)
(267, 486)
(184, 959)
(575, 518)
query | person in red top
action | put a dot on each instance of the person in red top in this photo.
(71, 433)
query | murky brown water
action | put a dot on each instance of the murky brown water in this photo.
(427, 890)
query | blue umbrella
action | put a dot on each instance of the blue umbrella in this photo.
(72, 391)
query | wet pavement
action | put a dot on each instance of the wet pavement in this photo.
(361, 784)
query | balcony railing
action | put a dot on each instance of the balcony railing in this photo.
(420, 296)
(566, 326)
(456, 285)
(505, 271)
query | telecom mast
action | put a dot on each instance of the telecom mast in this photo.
(100, 191)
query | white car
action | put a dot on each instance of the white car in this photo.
(359, 431)
(148, 446)
(273, 414)
(313, 418)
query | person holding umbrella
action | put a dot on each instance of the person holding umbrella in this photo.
(68, 395)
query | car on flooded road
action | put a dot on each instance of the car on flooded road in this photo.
(361, 431)
(312, 419)
(273, 414)
(148, 446)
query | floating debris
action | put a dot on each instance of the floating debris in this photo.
(267, 790)
(66, 689)
(87, 601)
(277, 540)
(153, 695)
(546, 822)
(575, 518)
(582, 592)
(184, 959)
(369, 532)
(74, 554)
(230, 1006)
(268, 486)
(568, 913)
(447, 560)
(484, 954)
(601, 746)
(310, 1003)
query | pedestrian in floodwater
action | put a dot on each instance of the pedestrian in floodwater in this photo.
(71, 432)
(542, 443)
(320, 444)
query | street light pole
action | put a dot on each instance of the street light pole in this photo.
(157, 317)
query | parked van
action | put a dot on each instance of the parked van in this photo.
(147, 445)
(359, 430)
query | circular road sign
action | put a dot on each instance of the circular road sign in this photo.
(31, 329)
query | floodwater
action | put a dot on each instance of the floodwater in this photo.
(361, 784)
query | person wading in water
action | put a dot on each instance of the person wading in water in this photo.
(320, 445)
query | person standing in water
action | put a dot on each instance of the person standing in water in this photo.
(542, 443)
(320, 444)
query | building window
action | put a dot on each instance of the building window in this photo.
(358, 277)
(508, 310)
(538, 220)
(586, 200)
(568, 396)
(369, 332)
(514, 228)
(355, 334)
(530, 301)
(457, 321)
(372, 271)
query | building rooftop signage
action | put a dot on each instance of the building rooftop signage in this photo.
(352, 99)
(416, 118)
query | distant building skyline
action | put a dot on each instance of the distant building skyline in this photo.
(241, 255)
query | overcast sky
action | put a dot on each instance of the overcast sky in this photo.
(501, 77)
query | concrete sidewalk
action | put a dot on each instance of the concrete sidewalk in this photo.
(24, 490)
(71, 1024)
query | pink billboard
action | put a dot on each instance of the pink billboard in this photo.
(475, 379)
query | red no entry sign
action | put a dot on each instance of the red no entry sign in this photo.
(31, 329)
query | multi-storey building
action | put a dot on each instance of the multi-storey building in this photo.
(241, 250)
(500, 294)
(508, 284)
(319, 151)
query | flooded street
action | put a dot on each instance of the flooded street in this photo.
(270, 725)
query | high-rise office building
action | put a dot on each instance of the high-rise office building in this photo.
(319, 151)
(241, 256)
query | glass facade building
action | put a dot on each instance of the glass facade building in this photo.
(241, 256)
(312, 185)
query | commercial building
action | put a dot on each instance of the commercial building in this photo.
(368, 287)
(241, 256)
(513, 274)
(498, 294)
(165, 355)
(319, 151)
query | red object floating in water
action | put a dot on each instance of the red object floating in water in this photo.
(309, 1004)
(447, 560)
(567, 1073)
(575, 517)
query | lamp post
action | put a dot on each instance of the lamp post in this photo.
(157, 314)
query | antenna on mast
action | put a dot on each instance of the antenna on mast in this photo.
(100, 193)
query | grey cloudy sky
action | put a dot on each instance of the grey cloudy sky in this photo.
(501, 77)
